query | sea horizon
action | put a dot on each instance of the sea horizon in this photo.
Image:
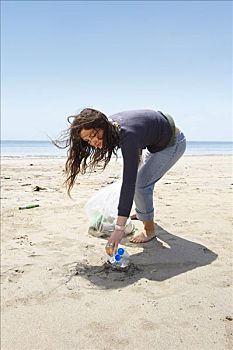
(41, 148)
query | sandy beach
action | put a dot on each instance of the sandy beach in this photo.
(57, 292)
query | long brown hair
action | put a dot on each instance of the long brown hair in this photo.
(82, 155)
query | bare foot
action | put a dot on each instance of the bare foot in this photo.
(143, 237)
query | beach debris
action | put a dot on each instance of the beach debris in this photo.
(38, 188)
(120, 260)
(21, 237)
(29, 206)
(6, 177)
(229, 318)
(26, 185)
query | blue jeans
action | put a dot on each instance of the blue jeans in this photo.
(152, 168)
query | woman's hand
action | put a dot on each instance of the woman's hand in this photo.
(114, 240)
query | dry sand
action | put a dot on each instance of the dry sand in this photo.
(56, 292)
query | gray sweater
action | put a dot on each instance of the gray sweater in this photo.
(139, 129)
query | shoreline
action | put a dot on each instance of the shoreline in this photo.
(119, 157)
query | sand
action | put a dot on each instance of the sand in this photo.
(57, 293)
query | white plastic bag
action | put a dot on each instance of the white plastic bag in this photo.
(101, 210)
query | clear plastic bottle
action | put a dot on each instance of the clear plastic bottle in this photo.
(120, 259)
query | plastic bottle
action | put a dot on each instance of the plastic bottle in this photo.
(120, 259)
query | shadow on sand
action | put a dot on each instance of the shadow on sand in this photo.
(161, 259)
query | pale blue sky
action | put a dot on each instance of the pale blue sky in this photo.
(58, 57)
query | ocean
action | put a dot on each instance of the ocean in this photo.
(47, 149)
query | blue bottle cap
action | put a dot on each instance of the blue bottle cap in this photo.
(121, 251)
(117, 257)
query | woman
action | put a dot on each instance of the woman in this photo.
(93, 138)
